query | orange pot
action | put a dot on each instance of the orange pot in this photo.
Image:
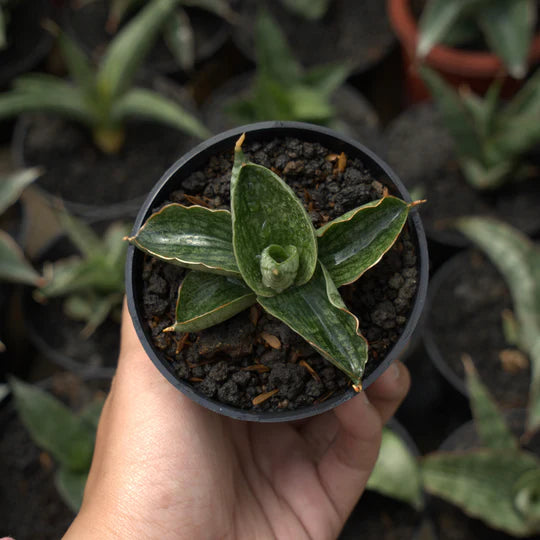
(473, 68)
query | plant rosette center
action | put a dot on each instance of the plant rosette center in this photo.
(266, 251)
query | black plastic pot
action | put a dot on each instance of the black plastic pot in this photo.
(28, 41)
(193, 161)
(58, 338)
(486, 297)
(64, 139)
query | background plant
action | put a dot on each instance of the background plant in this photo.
(103, 98)
(282, 89)
(177, 30)
(5, 7)
(507, 26)
(266, 250)
(309, 9)
(491, 137)
(498, 482)
(92, 282)
(518, 260)
(67, 436)
(13, 265)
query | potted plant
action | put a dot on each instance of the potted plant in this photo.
(323, 32)
(193, 32)
(252, 363)
(488, 472)
(75, 321)
(465, 26)
(47, 444)
(480, 156)
(101, 101)
(280, 88)
(495, 313)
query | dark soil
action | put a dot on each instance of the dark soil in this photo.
(93, 178)
(465, 318)
(223, 362)
(354, 116)
(87, 25)
(27, 41)
(59, 337)
(30, 506)
(452, 523)
(422, 153)
(354, 32)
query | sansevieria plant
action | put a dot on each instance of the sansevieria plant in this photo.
(103, 97)
(266, 250)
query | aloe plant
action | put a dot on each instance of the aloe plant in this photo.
(103, 98)
(518, 260)
(177, 31)
(507, 26)
(67, 436)
(282, 89)
(266, 250)
(491, 138)
(92, 282)
(13, 265)
(498, 482)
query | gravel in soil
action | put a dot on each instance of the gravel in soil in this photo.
(236, 361)
(465, 319)
(423, 155)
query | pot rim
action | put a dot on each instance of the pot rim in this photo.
(192, 160)
(447, 59)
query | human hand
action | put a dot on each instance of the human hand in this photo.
(164, 467)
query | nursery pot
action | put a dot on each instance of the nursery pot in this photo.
(194, 161)
(476, 69)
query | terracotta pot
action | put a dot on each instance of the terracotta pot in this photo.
(473, 68)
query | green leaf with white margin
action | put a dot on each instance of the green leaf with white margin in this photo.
(70, 485)
(266, 211)
(316, 312)
(53, 426)
(437, 18)
(208, 299)
(396, 473)
(142, 103)
(518, 260)
(129, 48)
(356, 241)
(190, 236)
(13, 266)
(509, 28)
(489, 422)
(13, 184)
(483, 484)
(309, 9)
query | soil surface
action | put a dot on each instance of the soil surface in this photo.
(465, 319)
(422, 154)
(30, 506)
(354, 32)
(233, 362)
(87, 24)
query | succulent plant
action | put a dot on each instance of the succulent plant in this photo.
(498, 482)
(13, 265)
(507, 26)
(518, 260)
(490, 138)
(67, 436)
(266, 250)
(282, 89)
(93, 282)
(177, 31)
(103, 98)
(309, 9)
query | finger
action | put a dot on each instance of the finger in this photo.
(319, 433)
(348, 462)
(389, 390)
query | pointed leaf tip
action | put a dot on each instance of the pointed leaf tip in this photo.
(240, 142)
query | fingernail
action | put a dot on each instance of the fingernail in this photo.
(395, 371)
